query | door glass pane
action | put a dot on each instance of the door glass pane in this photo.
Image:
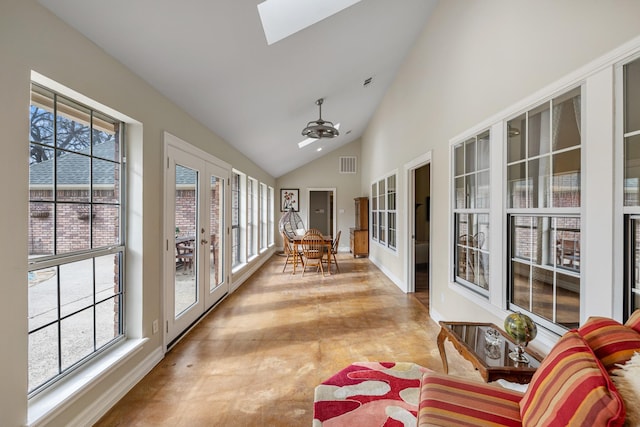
(186, 221)
(216, 241)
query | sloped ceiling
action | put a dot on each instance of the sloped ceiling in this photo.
(212, 59)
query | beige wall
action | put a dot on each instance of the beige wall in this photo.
(323, 173)
(474, 59)
(31, 38)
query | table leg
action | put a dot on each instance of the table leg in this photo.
(443, 355)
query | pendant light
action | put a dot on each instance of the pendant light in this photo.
(320, 128)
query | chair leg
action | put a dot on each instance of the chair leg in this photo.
(335, 261)
(286, 261)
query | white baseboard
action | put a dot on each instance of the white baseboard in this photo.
(92, 413)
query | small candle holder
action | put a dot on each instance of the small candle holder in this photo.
(493, 342)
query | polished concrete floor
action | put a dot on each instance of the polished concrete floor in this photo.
(256, 358)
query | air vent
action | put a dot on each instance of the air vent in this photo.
(348, 164)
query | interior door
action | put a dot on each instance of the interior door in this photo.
(195, 264)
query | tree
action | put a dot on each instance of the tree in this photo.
(70, 135)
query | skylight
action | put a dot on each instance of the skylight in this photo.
(282, 18)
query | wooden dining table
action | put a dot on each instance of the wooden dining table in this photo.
(297, 240)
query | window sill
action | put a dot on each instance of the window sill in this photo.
(47, 404)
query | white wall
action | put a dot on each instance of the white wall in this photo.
(31, 38)
(323, 173)
(474, 60)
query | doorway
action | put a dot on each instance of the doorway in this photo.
(421, 227)
(195, 220)
(320, 211)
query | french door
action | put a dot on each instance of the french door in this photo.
(195, 221)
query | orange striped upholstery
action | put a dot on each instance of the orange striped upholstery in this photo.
(634, 321)
(448, 401)
(612, 342)
(571, 388)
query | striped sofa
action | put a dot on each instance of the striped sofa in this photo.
(572, 387)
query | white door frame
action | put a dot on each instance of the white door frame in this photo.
(333, 210)
(208, 163)
(410, 217)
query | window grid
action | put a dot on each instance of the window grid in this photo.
(76, 240)
(543, 211)
(252, 217)
(270, 208)
(264, 216)
(383, 211)
(471, 212)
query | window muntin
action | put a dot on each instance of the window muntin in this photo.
(543, 211)
(76, 243)
(631, 184)
(472, 193)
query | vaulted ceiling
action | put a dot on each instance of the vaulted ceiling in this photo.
(212, 59)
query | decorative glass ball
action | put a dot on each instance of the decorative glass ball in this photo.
(520, 327)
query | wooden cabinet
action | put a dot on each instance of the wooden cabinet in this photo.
(359, 235)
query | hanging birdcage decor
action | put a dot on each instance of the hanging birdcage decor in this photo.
(291, 224)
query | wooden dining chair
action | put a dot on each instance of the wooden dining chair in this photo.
(313, 250)
(333, 251)
(289, 252)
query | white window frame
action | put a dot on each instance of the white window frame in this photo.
(476, 245)
(239, 253)
(381, 213)
(253, 226)
(271, 216)
(264, 217)
(59, 260)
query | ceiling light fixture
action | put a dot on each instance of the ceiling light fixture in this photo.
(320, 128)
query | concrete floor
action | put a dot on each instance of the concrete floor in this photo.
(256, 358)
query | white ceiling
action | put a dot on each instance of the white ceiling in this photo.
(211, 58)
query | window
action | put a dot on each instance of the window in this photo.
(236, 246)
(543, 211)
(471, 171)
(270, 209)
(76, 240)
(383, 211)
(374, 211)
(631, 134)
(252, 217)
(264, 215)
